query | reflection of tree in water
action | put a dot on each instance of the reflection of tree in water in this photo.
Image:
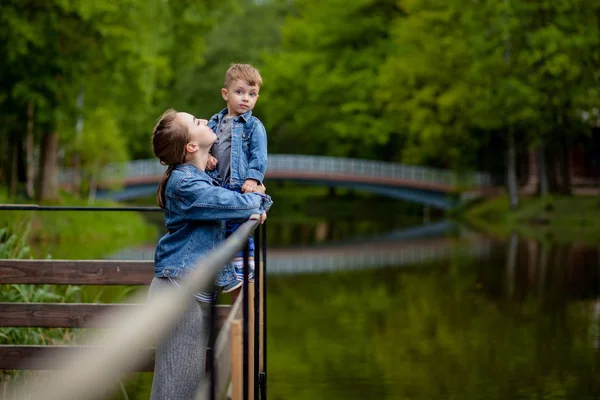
(553, 272)
(434, 332)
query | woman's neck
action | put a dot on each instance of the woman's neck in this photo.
(199, 159)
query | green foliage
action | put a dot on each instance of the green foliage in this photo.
(463, 70)
(122, 57)
(243, 34)
(13, 244)
(101, 141)
(77, 234)
(557, 218)
(319, 95)
(418, 81)
(437, 78)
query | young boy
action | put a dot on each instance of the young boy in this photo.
(239, 154)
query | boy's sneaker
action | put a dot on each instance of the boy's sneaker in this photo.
(232, 286)
(239, 273)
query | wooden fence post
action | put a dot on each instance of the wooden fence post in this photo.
(250, 340)
(236, 360)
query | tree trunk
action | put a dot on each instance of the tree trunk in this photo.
(92, 192)
(14, 165)
(77, 173)
(76, 176)
(29, 162)
(48, 174)
(513, 189)
(543, 172)
(565, 170)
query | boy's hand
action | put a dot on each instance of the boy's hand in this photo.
(249, 186)
(211, 163)
(260, 189)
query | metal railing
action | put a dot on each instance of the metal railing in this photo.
(93, 373)
(279, 163)
(375, 169)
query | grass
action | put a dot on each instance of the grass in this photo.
(79, 234)
(14, 245)
(559, 219)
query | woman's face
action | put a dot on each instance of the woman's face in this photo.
(199, 132)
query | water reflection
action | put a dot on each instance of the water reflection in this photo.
(401, 247)
(543, 270)
(520, 322)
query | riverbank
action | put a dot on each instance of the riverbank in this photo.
(562, 219)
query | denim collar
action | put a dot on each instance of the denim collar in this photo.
(244, 117)
(195, 170)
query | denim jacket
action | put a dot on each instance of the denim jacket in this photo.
(248, 148)
(195, 212)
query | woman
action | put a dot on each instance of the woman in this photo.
(196, 208)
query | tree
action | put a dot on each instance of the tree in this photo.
(235, 37)
(517, 70)
(320, 95)
(120, 55)
(560, 64)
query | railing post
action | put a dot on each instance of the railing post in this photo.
(245, 323)
(210, 364)
(252, 373)
(263, 240)
(257, 312)
(237, 370)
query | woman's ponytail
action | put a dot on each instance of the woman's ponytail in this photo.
(168, 143)
(161, 197)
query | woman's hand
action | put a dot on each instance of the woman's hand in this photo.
(263, 217)
(260, 217)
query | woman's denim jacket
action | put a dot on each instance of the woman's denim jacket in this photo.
(195, 212)
(248, 148)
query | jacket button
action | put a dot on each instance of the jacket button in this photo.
(243, 136)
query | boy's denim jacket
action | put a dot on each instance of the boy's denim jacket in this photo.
(195, 212)
(248, 148)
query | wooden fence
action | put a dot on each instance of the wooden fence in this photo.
(226, 354)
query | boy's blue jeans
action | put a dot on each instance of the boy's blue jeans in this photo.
(227, 275)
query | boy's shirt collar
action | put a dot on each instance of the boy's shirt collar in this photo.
(245, 116)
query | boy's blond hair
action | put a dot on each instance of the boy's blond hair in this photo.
(244, 72)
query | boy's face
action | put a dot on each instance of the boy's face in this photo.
(240, 97)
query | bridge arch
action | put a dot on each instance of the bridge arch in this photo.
(429, 186)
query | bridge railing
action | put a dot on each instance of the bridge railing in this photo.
(311, 164)
(375, 169)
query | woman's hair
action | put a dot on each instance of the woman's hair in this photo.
(243, 72)
(169, 139)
